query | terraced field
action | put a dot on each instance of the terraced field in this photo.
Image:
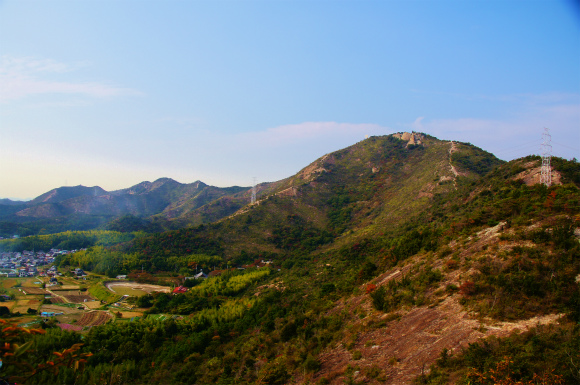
(93, 304)
(56, 300)
(75, 296)
(59, 309)
(94, 318)
(8, 304)
(22, 305)
(34, 291)
(8, 282)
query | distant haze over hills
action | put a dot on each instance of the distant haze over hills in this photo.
(419, 165)
(81, 207)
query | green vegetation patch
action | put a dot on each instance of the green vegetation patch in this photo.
(68, 240)
(99, 291)
(531, 280)
(542, 355)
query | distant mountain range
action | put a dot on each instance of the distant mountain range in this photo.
(165, 202)
(391, 177)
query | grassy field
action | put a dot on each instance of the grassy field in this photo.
(93, 305)
(102, 293)
(30, 282)
(7, 283)
(131, 314)
(22, 305)
(124, 290)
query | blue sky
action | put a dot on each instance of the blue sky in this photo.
(112, 93)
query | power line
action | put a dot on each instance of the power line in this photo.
(568, 147)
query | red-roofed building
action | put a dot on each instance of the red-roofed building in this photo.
(180, 290)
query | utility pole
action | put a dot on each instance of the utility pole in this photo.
(253, 200)
(546, 173)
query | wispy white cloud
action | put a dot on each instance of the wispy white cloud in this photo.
(519, 134)
(24, 76)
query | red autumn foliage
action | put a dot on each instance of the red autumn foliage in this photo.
(370, 288)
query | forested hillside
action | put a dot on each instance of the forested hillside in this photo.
(148, 206)
(401, 259)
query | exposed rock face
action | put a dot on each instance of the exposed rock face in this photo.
(411, 138)
(289, 192)
(310, 172)
(532, 174)
(407, 346)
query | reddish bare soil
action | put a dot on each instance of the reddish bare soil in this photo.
(78, 298)
(405, 343)
(405, 347)
(56, 300)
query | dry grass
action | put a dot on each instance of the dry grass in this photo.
(34, 291)
(93, 304)
(7, 283)
(131, 314)
(59, 309)
(119, 287)
(8, 304)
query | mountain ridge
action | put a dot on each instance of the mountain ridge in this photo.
(164, 198)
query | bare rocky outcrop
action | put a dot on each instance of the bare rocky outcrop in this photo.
(407, 346)
(532, 174)
(411, 138)
(289, 192)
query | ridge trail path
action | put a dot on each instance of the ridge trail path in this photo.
(453, 149)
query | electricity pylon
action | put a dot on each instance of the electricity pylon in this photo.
(546, 175)
(253, 200)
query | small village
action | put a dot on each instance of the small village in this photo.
(33, 290)
(29, 263)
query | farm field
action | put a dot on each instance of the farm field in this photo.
(55, 299)
(130, 291)
(94, 318)
(34, 291)
(70, 318)
(8, 304)
(93, 304)
(27, 322)
(7, 283)
(131, 314)
(30, 282)
(134, 288)
(69, 327)
(74, 296)
(22, 305)
(77, 298)
(60, 309)
(65, 287)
